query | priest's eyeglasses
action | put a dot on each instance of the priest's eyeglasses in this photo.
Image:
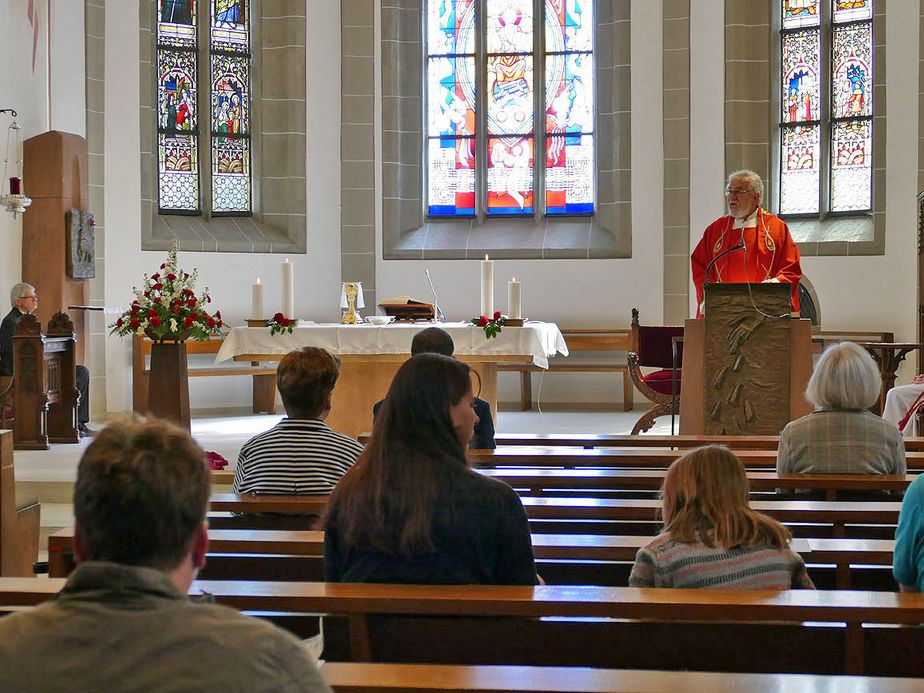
(737, 191)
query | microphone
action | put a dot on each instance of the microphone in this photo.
(437, 313)
(740, 246)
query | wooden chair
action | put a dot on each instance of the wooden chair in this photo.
(655, 349)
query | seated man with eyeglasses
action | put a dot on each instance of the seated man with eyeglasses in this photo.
(24, 300)
(770, 254)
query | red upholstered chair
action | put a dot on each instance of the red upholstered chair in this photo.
(655, 350)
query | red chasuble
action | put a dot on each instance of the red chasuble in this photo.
(771, 254)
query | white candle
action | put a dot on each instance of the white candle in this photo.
(288, 289)
(487, 287)
(256, 311)
(513, 298)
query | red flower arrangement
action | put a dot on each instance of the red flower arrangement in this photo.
(280, 323)
(166, 307)
(492, 326)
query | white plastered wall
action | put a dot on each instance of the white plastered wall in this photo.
(228, 276)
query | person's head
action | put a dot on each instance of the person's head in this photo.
(388, 499)
(23, 297)
(141, 497)
(430, 397)
(845, 377)
(306, 379)
(432, 340)
(743, 192)
(704, 497)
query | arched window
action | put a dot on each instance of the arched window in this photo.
(203, 108)
(506, 79)
(826, 118)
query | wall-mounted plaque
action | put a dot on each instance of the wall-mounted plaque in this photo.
(80, 242)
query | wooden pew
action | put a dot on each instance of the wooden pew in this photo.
(613, 440)
(518, 623)
(545, 511)
(576, 515)
(360, 677)
(535, 456)
(19, 524)
(603, 341)
(603, 481)
(256, 545)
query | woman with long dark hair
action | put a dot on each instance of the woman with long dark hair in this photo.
(411, 510)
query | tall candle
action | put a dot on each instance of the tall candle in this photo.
(14, 186)
(256, 311)
(513, 298)
(288, 289)
(487, 287)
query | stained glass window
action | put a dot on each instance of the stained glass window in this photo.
(492, 42)
(177, 106)
(230, 101)
(223, 129)
(826, 150)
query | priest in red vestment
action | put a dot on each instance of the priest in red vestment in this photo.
(771, 254)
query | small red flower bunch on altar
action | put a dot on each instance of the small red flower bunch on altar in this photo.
(280, 323)
(492, 326)
(167, 307)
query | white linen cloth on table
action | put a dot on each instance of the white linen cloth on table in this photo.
(539, 340)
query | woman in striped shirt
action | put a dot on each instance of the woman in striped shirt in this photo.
(712, 538)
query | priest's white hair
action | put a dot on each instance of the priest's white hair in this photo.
(754, 181)
(845, 377)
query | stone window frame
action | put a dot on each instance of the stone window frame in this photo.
(407, 233)
(278, 223)
(827, 223)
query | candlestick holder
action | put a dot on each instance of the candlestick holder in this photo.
(514, 322)
(256, 322)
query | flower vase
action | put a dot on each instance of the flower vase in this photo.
(168, 394)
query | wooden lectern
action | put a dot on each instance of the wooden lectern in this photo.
(746, 364)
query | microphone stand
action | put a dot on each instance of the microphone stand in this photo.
(437, 313)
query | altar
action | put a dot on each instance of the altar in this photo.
(371, 355)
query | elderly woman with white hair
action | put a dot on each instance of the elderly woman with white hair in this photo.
(841, 436)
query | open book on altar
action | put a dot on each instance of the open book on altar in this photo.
(407, 308)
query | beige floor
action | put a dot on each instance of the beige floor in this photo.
(49, 475)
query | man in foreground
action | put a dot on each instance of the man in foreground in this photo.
(300, 454)
(23, 300)
(434, 340)
(123, 621)
(770, 254)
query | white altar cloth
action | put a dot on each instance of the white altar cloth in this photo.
(540, 340)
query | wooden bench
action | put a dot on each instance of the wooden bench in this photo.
(257, 549)
(19, 523)
(565, 458)
(577, 515)
(359, 677)
(579, 340)
(501, 624)
(264, 377)
(612, 440)
(602, 481)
